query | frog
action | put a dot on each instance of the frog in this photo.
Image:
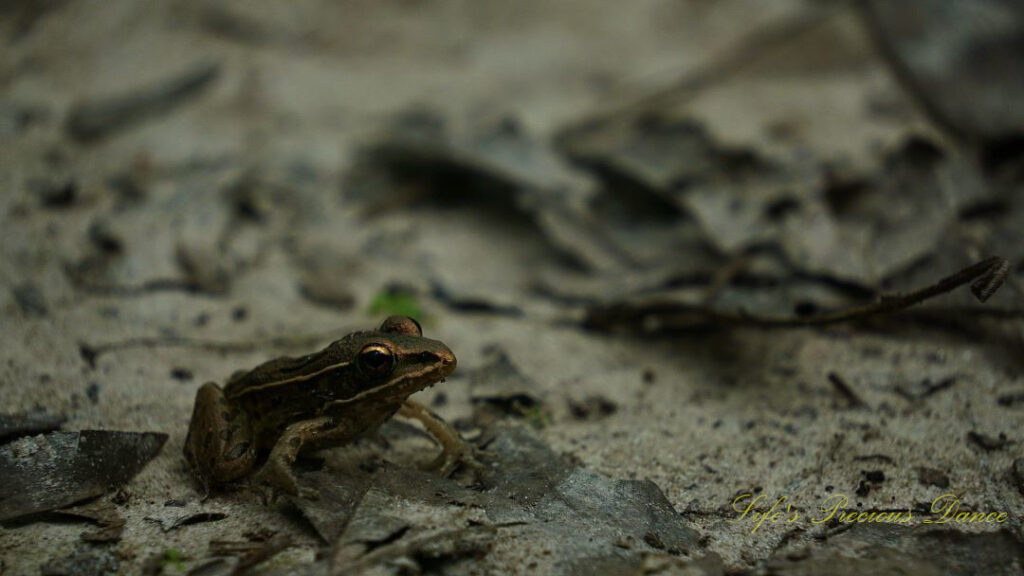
(263, 419)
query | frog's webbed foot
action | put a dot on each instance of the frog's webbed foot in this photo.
(275, 480)
(455, 451)
(271, 495)
(277, 474)
(448, 461)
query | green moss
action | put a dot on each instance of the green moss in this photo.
(537, 417)
(172, 560)
(395, 301)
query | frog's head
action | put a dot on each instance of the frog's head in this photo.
(395, 361)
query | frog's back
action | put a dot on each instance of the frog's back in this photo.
(286, 390)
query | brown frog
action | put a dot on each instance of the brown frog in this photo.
(297, 405)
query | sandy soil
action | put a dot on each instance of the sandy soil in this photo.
(707, 416)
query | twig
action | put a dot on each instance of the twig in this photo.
(984, 277)
(840, 384)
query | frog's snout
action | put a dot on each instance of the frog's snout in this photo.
(448, 360)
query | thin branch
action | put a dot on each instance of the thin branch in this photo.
(984, 278)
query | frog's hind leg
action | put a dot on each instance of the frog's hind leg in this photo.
(454, 450)
(219, 445)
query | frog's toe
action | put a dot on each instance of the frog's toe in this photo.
(309, 493)
(449, 461)
(444, 464)
(470, 461)
(274, 481)
(267, 495)
(277, 479)
(438, 465)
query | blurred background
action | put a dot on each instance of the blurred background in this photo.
(191, 187)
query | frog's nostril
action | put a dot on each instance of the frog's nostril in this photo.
(445, 358)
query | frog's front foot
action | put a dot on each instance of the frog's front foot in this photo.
(273, 480)
(452, 458)
(455, 451)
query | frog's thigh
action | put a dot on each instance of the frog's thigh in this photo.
(453, 447)
(219, 444)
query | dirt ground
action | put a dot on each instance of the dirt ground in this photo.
(237, 215)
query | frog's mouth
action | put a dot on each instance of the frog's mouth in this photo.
(412, 382)
(401, 387)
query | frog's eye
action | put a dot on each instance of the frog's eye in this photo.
(375, 360)
(402, 325)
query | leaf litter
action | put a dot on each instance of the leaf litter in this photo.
(528, 495)
(46, 472)
(665, 228)
(760, 239)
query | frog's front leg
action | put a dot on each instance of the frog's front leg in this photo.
(277, 471)
(454, 450)
(219, 445)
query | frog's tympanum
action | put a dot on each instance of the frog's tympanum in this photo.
(290, 406)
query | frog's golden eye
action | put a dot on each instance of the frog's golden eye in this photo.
(402, 325)
(375, 360)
